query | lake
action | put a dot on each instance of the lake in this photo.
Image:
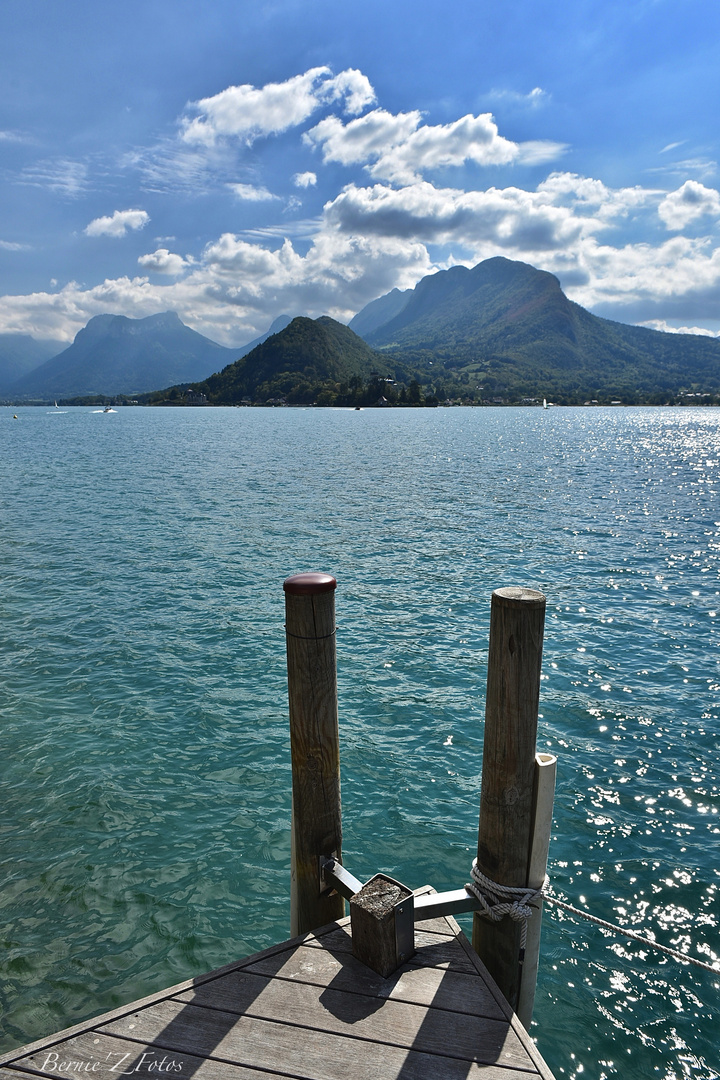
(143, 695)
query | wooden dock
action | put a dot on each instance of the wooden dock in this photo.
(307, 1009)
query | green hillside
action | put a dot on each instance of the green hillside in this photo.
(508, 328)
(311, 360)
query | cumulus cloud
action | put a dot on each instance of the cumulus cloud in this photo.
(247, 112)
(163, 261)
(688, 203)
(400, 149)
(364, 139)
(250, 193)
(389, 226)
(509, 217)
(662, 324)
(305, 179)
(118, 224)
(236, 288)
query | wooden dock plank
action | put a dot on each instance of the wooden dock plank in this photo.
(396, 1023)
(306, 1009)
(323, 1058)
(121, 1055)
(445, 987)
(433, 950)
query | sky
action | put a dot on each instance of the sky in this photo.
(234, 161)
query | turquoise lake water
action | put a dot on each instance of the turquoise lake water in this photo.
(145, 819)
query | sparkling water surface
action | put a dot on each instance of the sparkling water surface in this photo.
(145, 817)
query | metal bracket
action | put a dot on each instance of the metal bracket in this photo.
(333, 875)
(432, 905)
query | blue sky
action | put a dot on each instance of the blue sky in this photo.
(234, 161)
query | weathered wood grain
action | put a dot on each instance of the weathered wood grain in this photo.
(439, 986)
(307, 1009)
(268, 1044)
(111, 1057)
(373, 918)
(314, 746)
(506, 795)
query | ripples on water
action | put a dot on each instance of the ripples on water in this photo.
(146, 776)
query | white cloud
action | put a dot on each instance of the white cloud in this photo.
(118, 224)
(10, 245)
(386, 228)
(364, 139)
(305, 179)
(249, 193)
(69, 178)
(236, 288)
(400, 149)
(688, 203)
(662, 324)
(13, 136)
(678, 279)
(702, 167)
(534, 98)
(351, 87)
(510, 217)
(163, 261)
(247, 112)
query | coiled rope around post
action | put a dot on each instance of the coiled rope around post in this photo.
(500, 900)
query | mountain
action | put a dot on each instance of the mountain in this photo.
(508, 329)
(277, 325)
(117, 355)
(379, 312)
(20, 354)
(309, 359)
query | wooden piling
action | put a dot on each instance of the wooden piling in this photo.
(314, 746)
(517, 617)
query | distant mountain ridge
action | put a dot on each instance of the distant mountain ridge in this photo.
(114, 354)
(21, 354)
(510, 327)
(501, 331)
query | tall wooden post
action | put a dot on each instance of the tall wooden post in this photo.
(314, 746)
(517, 617)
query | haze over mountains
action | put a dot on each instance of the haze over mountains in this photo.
(500, 331)
(117, 355)
(20, 354)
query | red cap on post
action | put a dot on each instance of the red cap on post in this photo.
(309, 584)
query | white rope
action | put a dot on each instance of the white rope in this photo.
(675, 953)
(501, 900)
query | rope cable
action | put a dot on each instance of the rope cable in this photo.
(500, 900)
